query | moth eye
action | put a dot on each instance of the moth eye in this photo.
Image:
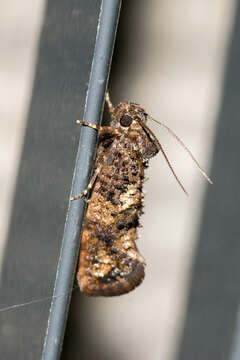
(126, 120)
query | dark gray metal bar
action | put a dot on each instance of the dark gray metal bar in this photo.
(107, 26)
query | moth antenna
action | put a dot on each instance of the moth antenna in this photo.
(184, 146)
(159, 146)
(172, 170)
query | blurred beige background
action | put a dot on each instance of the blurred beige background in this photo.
(174, 68)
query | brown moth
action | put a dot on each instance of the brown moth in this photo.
(110, 263)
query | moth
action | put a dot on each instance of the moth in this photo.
(110, 263)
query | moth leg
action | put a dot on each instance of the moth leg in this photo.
(109, 103)
(93, 126)
(104, 131)
(89, 187)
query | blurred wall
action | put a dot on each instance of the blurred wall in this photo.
(20, 26)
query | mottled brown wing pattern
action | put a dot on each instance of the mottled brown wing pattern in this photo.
(110, 263)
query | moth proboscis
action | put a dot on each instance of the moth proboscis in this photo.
(110, 263)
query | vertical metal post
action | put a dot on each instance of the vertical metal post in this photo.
(106, 31)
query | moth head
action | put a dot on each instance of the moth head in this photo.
(128, 113)
(130, 118)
